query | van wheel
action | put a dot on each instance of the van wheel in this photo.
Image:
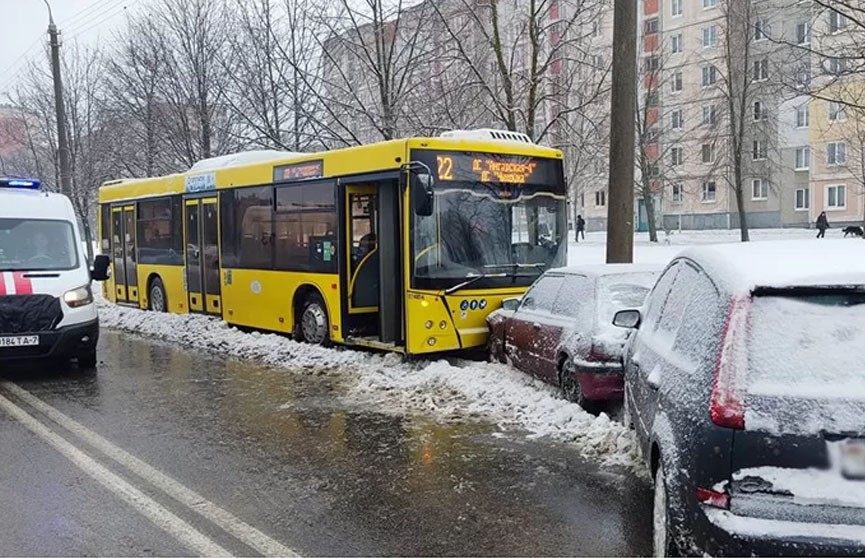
(157, 299)
(314, 326)
(662, 540)
(87, 361)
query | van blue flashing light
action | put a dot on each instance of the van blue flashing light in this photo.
(24, 183)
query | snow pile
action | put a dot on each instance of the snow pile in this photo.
(461, 390)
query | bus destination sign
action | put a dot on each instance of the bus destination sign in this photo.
(491, 168)
(299, 171)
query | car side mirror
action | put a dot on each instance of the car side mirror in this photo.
(510, 304)
(422, 192)
(100, 271)
(629, 319)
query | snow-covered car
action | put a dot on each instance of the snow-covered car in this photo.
(745, 382)
(561, 331)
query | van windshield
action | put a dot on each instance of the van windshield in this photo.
(37, 245)
(808, 345)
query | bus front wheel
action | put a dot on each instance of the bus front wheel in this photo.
(314, 324)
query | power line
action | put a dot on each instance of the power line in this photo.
(93, 7)
(107, 13)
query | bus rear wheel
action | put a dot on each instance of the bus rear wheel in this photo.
(158, 301)
(314, 324)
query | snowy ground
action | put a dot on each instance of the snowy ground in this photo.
(445, 389)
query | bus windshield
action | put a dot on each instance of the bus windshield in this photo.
(476, 233)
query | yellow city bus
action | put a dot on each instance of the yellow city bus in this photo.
(404, 245)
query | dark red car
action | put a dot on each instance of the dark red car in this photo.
(561, 330)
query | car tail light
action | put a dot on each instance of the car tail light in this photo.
(728, 404)
(713, 498)
(599, 352)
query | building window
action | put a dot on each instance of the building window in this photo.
(676, 82)
(709, 4)
(709, 115)
(676, 119)
(707, 152)
(837, 22)
(710, 192)
(676, 43)
(802, 116)
(761, 111)
(652, 63)
(836, 66)
(836, 153)
(761, 30)
(836, 197)
(803, 199)
(675, 156)
(803, 33)
(759, 189)
(654, 170)
(675, 7)
(761, 69)
(710, 36)
(650, 26)
(837, 111)
(600, 198)
(803, 158)
(710, 75)
(677, 194)
(760, 151)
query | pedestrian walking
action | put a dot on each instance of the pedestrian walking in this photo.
(822, 225)
(581, 227)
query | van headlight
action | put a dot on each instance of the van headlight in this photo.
(82, 296)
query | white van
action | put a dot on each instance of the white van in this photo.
(46, 301)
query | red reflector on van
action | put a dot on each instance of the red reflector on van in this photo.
(728, 401)
(712, 498)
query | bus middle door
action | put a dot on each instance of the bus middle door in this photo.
(201, 229)
(123, 253)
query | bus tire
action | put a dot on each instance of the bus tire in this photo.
(157, 300)
(314, 325)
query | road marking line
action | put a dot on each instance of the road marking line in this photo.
(246, 533)
(143, 504)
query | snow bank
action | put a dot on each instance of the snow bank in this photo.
(458, 390)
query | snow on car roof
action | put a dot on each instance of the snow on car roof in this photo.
(599, 270)
(742, 267)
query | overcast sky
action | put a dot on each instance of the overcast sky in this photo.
(24, 26)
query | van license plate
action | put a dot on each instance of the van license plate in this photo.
(853, 459)
(20, 341)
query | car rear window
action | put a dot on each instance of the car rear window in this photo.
(622, 292)
(808, 344)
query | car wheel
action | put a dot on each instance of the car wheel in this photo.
(662, 540)
(571, 389)
(87, 361)
(157, 299)
(314, 324)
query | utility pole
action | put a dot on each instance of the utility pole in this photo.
(62, 138)
(620, 206)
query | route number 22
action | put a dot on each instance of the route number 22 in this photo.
(445, 167)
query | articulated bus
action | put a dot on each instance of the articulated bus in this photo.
(404, 245)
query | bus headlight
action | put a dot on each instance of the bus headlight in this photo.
(82, 296)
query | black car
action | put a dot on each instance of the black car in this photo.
(745, 383)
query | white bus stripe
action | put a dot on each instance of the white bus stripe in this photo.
(143, 504)
(246, 533)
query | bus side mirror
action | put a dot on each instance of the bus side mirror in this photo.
(422, 192)
(100, 272)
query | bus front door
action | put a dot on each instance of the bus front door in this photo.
(201, 227)
(123, 253)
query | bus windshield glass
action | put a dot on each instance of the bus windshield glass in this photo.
(497, 221)
(37, 245)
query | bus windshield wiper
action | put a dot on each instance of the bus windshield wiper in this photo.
(472, 279)
(539, 267)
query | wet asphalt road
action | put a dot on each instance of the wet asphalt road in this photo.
(285, 453)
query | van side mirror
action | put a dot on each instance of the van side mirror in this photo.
(511, 304)
(422, 192)
(100, 271)
(629, 319)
